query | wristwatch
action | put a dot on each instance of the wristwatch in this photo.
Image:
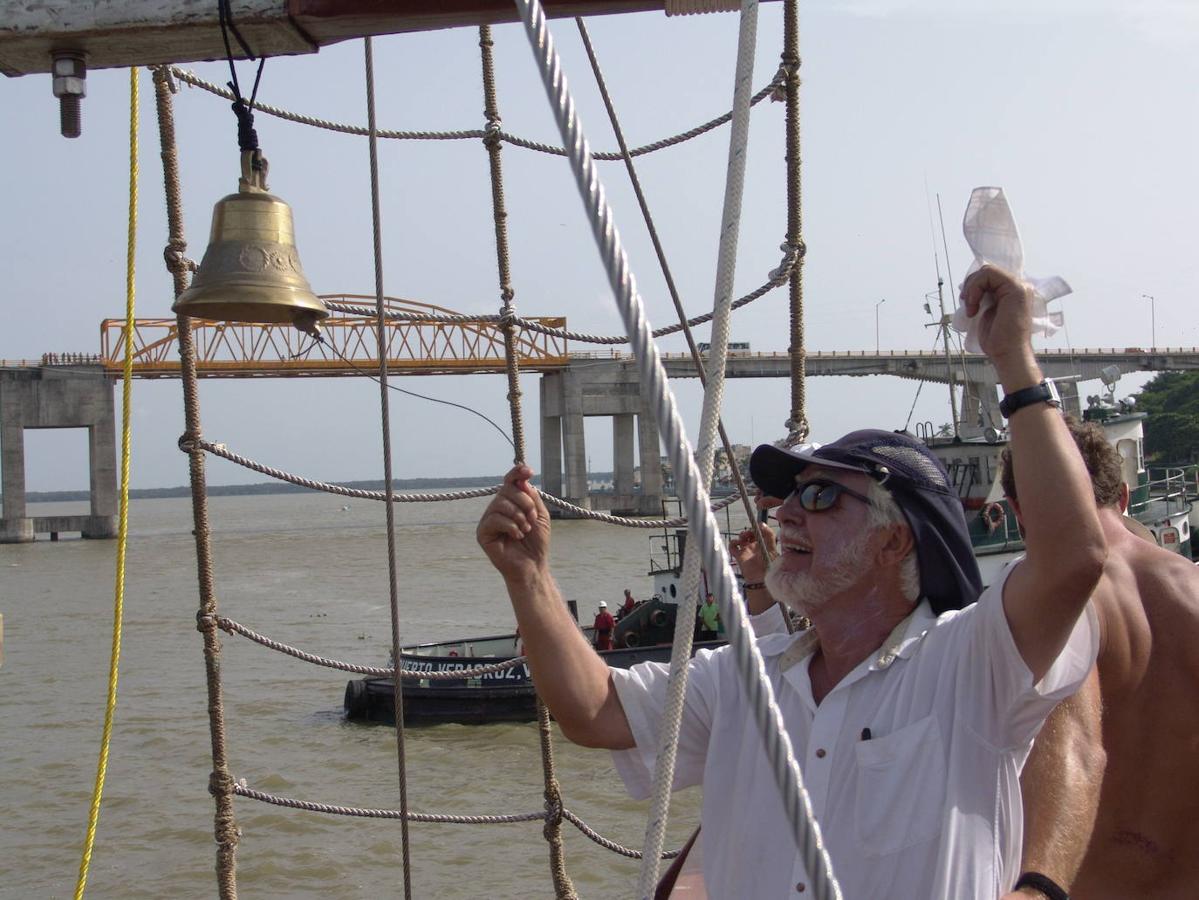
(1045, 392)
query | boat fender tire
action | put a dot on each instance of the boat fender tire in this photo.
(355, 699)
(994, 516)
(658, 618)
(632, 639)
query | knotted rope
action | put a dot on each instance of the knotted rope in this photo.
(797, 424)
(194, 80)
(563, 887)
(220, 782)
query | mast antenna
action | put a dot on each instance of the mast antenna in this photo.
(944, 327)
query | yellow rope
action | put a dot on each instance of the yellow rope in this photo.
(123, 527)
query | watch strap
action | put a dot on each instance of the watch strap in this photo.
(1042, 883)
(1038, 393)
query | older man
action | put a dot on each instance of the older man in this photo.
(910, 716)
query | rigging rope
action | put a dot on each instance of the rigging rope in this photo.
(220, 782)
(726, 263)
(797, 423)
(385, 417)
(563, 887)
(776, 278)
(653, 377)
(123, 522)
(361, 494)
(368, 813)
(473, 134)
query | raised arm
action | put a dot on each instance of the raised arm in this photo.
(1044, 596)
(1061, 783)
(573, 681)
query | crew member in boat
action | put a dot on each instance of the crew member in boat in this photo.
(604, 624)
(911, 710)
(628, 606)
(1111, 790)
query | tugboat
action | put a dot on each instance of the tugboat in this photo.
(644, 634)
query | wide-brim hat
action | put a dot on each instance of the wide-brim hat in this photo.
(949, 575)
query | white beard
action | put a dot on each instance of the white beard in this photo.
(804, 591)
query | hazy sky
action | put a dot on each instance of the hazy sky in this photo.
(1084, 112)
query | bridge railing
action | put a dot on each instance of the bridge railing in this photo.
(349, 347)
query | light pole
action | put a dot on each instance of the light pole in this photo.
(876, 306)
(1152, 317)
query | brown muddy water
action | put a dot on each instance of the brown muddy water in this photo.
(309, 573)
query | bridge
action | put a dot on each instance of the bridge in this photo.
(75, 390)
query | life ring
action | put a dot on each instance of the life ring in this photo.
(994, 515)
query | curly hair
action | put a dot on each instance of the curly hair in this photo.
(1103, 462)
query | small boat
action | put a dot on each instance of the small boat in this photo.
(504, 696)
(645, 634)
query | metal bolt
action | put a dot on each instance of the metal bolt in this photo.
(69, 69)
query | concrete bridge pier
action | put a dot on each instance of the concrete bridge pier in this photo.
(48, 397)
(600, 388)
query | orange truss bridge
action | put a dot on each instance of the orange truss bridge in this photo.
(415, 346)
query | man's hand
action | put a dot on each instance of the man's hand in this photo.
(745, 552)
(514, 530)
(1005, 325)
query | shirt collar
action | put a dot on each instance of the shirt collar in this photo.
(901, 643)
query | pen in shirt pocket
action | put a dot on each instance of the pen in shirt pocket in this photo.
(866, 735)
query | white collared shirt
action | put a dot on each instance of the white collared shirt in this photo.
(912, 761)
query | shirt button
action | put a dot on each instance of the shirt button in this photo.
(820, 754)
(801, 887)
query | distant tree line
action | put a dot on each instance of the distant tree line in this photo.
(1172, 430)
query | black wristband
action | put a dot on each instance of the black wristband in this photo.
(1042, 883)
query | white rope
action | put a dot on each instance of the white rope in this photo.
(706, 532)
(726, 264)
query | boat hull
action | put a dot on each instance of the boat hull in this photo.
(506, 696)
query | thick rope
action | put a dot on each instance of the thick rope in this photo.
(232, 627)
(659, 816)
(123, 523)
(342, 491)
(704, 529)
(726, 265)
(220, 783)
(797, 424)
(388, 486)
(776, 278)
(437, 818)
(471, 134)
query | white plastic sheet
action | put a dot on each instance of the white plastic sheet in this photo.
(991, 232)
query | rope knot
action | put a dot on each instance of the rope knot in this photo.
(205, 621)
(220, 784)
(791, 255)
(493, 132)
(189, 443)
(778, 87)
(507, 317)
(553, 810)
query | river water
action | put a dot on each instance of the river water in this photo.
(309, 573)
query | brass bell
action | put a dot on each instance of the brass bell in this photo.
(251, 271)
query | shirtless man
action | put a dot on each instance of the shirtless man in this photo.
(1145, 839)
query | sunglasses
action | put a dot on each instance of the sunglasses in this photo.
(820, 494)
